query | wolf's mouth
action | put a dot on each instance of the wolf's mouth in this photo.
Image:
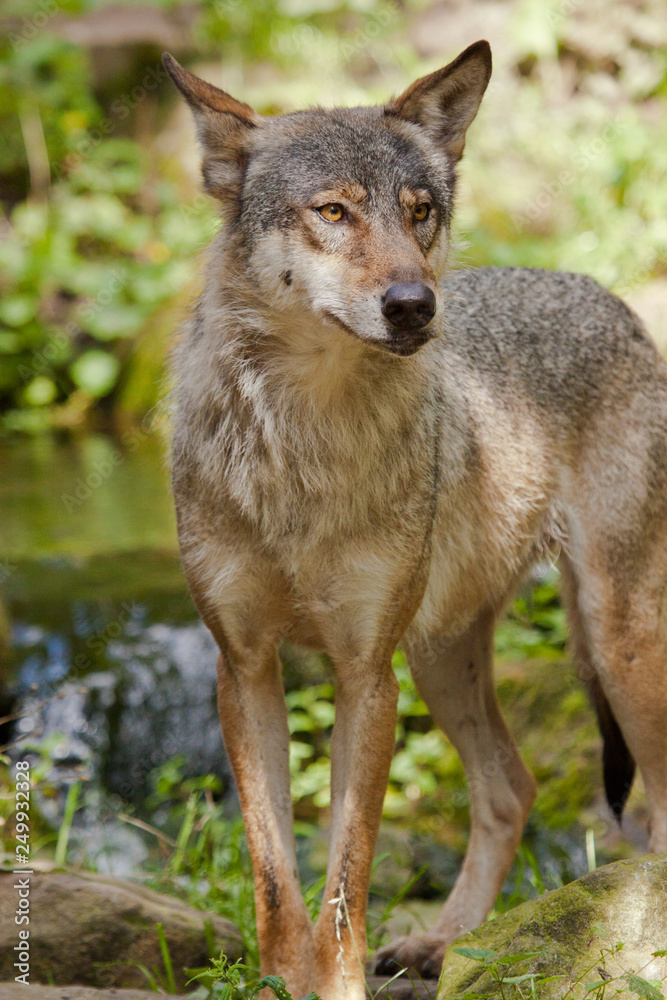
(405, 343)
(339, 322)
(401, 342)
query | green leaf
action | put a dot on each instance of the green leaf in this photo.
(166, 958)
(40, 391)
(643, 988)
(10, 343)
(510, 959)
(96, 372)
(277, 984)
(113, 321)
(485, 955)
(17, 310)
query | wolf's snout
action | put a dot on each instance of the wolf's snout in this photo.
(411, 306)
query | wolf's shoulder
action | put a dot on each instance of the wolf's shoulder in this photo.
(546, 299)
(540, 313)
(553, 334)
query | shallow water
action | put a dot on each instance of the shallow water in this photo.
(104, 658)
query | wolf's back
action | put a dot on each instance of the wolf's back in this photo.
(558, 338)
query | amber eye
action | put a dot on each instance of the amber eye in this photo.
(422, 211)
(332, 213)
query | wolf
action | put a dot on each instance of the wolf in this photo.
(371, 449)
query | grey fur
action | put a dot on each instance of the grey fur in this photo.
(346, 486)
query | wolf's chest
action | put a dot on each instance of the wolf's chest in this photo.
(305, 484)
(319, 506)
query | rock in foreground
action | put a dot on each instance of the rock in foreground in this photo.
(93, 930)
(13, 991)
(571, 931)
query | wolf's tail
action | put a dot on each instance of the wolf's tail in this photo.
(618, 764)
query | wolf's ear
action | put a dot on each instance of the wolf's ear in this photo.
(223, 125)
(445, 102)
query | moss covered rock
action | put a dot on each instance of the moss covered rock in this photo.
(97, 931)
(571, 934)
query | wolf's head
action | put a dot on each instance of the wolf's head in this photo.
(345, 213)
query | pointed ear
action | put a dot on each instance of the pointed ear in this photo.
(224, 126)
(444, 103)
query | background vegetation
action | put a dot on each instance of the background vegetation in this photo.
(102, 218)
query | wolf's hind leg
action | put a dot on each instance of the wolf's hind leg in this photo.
(455, 679)
(617, 619)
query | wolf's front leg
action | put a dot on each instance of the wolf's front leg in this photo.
(455, 679)
(361, 751)
(254, 725)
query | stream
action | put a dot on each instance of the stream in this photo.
(103, 657)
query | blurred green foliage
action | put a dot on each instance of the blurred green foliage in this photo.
(87, 259)
(84, 272)
(101, 223)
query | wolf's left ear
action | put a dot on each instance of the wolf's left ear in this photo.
(224, 126)
(444, 103)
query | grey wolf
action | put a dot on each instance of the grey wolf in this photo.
(367, 451)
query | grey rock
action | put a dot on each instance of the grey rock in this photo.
(400, 989)
(571, 931)
(16, 991)
(95, 930)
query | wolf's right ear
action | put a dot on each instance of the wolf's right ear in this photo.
(444, 103)
(223, 126)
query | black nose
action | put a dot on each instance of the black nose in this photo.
(411, 306)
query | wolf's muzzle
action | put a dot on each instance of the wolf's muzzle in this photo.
(409, 307)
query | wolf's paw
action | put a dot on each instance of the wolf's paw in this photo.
(422, 954)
